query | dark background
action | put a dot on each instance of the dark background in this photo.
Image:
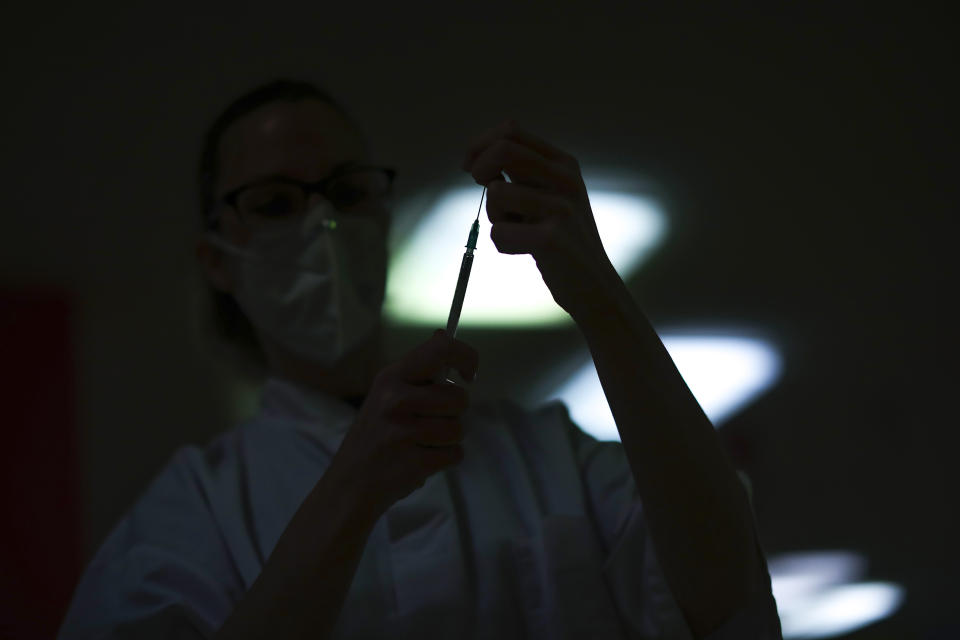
(805, 157)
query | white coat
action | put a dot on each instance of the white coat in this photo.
(537, 533)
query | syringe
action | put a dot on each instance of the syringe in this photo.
(454, 318)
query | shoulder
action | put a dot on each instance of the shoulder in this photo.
(188, 472)
(167, 549)
(180, 503)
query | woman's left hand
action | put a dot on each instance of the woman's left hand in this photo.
(544, 211)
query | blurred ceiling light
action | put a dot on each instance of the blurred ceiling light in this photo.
(504, 289)
(839, 610)
(817, 597)
(796, 575)
(724, 373)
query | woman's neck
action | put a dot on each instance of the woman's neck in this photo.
(349, 378)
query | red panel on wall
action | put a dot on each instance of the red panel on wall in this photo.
(39, 494)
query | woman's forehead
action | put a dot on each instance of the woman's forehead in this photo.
(302, 140)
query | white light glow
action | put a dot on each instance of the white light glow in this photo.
(817, 596)
(504, 289)
(724, 373)
(797, 575)
(838, 610)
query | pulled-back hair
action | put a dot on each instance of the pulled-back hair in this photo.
(223, 316)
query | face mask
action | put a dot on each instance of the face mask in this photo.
(313, 283)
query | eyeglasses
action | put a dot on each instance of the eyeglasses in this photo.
(278, 197)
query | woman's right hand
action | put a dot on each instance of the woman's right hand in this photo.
(409, 425)
(407, 430)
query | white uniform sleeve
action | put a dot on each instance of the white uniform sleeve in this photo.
(645, 603)
(164, 571)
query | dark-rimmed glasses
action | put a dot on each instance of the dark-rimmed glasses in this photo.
(280, 196)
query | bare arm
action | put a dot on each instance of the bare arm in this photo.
(696, 509)
(697, 512)
(301, 590)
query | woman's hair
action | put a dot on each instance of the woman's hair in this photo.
(223, 316)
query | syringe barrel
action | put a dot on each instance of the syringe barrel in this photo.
(454, 319)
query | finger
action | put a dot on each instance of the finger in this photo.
(510, 130)
(464, 359)
(436, 400)
(433, 459)
(520, 163)
(521, 237)
(484, 140)
(512, 202)
(436, 354)
(436, 432)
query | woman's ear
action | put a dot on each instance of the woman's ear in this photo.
(215, 266)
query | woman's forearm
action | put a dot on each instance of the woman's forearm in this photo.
(302, 588)
(697, 511)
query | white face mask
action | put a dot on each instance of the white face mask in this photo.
(314, 283)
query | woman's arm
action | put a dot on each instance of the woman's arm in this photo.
(697, 510)
(302, 587)
(407, 429)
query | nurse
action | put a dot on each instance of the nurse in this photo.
(367, 500)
